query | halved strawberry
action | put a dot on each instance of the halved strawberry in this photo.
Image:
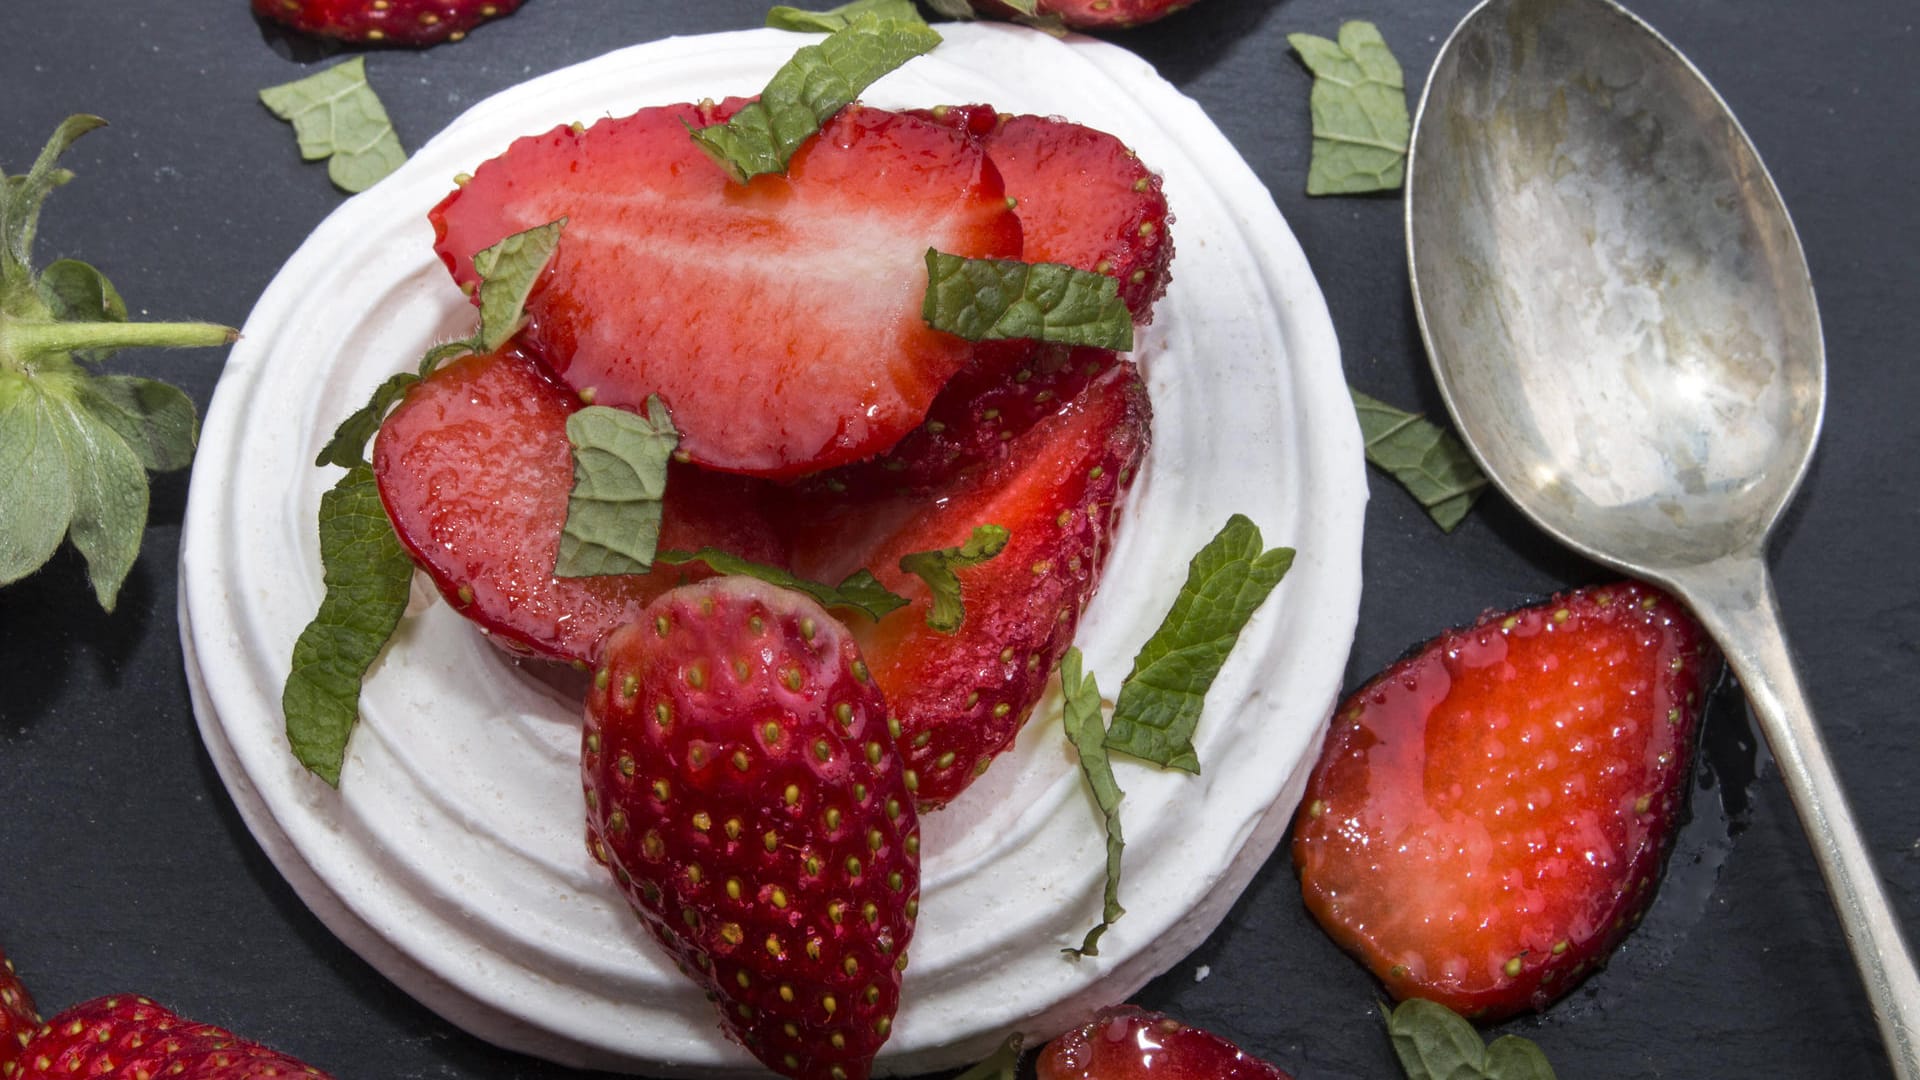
(779, 320)
(474, 470)
(1129, 1043)
(743, 786)
(18, 1017)
(1083, 198)
(386, 22)
(962, 697)
(1090, 14)
(1489, 816)
(131, 1038)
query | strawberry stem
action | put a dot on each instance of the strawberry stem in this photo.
(22, 341)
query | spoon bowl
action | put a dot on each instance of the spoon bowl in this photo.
(1623, 326)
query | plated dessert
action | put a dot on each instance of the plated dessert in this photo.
(452, 854)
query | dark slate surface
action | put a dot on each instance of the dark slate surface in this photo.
(123, 865)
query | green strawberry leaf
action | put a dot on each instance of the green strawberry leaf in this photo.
(1087, 731)
(368, 578)
(1434, 1043)
(1359, 104)
(819, 81)
(782, 17)
(1004, 1063)
(336, 115)
(348, 446)
(953, 9)
(861, 591)
(154, 419)
(1159, 703)
(1428, 460)
(36, 496)
(76, 445)
(619, 481)
(508, 271)
(936, 568)
(992, 299)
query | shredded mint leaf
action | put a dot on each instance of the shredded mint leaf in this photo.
(819, 81)
(347, 448)
(936, 568)
(991, 299)
(1433, 1043)
(336, 115)
(1428, 460)
(1159, 704)
(782, 17)
(155, 420)
(953, 9)
(36, 495)
(368, 577)
(861, 591)
(619, 479)
(1087, 731)
(508, 271)
(1004, 1064)
(1359, 103)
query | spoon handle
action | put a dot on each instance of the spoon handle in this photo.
(1734, 598)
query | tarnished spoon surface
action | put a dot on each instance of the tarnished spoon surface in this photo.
(1623, 326)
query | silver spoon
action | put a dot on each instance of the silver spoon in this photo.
(1622, 324)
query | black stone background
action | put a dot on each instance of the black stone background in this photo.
(123, 865)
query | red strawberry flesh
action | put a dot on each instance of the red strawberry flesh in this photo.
(779, 320)
(742, 785)
(474, 469)
(1489, 816)
(386, 22)
(1127, 1043)
(962, 697)
(18, 1017)
(131, 1038)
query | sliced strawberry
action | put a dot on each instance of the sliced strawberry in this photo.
(1489, 816)
(779, 320)
(1083, 198)
(962, 697)
(474, 470)
(18, 1017)
(1128, 1043)
(1090, 14)
(131, 1038)
(386, 22)
(743, 786)
(1009, 387)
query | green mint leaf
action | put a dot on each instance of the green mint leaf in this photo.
(36, 496)
(861, 591)
(1434, 1043)
(508, 271)
(937, 569)
(156, 421)
(109, 497)
(953, 9)
(368, 578)
(1087, 731)
(619, 479)
(819, 81)
(76, 292)
(348, 446)
(1159, 704)
(336, 115)
(1359, 103)
(21, 198)
(1004, 1064)
(783, 17)
(991, 299)
(1428, 460)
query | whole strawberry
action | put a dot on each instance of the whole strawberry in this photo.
(386, 22)
(1127, 1043)
(1084, 14)
(743, 787)
(131, 1038)
(18, 1018)
(1489, 816)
